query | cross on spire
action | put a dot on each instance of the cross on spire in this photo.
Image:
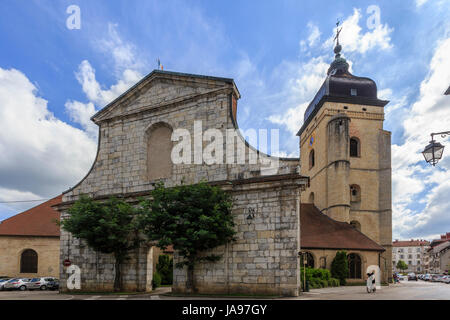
(338, 31)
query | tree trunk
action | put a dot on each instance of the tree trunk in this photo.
(190, 283)
(118, 285)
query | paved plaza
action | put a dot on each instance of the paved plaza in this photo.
(406, 290)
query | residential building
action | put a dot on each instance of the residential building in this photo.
(412, 252)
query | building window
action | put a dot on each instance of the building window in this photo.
(29, 261)
(309, 259)
(355, 224)
(409, 262)
(401, 256)
(354, 266)
(353, 92)
(354, 147)
(355, 193)
(159, 148)
(311, 159)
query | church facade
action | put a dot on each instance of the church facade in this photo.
(139, 131)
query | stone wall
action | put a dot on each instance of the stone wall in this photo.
(264, 258)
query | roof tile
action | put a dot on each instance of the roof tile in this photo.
(37, 221)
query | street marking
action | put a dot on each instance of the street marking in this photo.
(155, 298)
(93, 298)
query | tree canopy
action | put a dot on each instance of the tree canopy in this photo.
(108, 227)
(192, 218)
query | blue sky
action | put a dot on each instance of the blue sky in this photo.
(277, 52)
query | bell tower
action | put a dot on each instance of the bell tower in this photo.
(346, 153)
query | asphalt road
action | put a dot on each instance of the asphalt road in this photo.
(406, 290)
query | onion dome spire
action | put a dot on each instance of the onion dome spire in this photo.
(339, 65)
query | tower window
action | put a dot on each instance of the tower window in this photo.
(353, 92)
(311, 159)
(355, 193)
(355, 224)
(354, 147)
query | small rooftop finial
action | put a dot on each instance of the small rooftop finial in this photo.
(339, 64)
(338, 47)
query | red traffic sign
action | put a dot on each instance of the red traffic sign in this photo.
(67, 263)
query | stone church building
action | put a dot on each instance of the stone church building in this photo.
(336, 196)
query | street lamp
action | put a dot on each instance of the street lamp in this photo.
(433, 152)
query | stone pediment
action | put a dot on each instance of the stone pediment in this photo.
(161, 88)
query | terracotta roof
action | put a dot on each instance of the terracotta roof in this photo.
(410, 243)
(168, 249)
(317, 230)
(37, 221)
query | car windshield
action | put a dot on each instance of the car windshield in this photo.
(12, 280)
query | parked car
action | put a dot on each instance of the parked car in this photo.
(446, 279)
(17, 283)
(39, 283)
(2, 283)
(427, 277)
(435, 278)
(53, 285)
(412, 276)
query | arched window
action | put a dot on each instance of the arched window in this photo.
(159, 148)
(354, 266)
(309, 259)
(354, 147)
(311, 198)
(355, 193)
(355, 224)
(29, 261)
(311, 159)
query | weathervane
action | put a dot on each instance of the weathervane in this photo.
(338, 31)
(338, 48)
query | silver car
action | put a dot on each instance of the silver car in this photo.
(17, 283)
(2, 282)
(39, 283)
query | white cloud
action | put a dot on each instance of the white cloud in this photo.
(81, 113)
(40, 155)
(303, 83)
(353, 39)
(93, 90)
(411, 176)
(420, 3)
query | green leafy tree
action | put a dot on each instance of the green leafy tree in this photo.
(165, 268)
(401, 265)
(108, 227)
(339, 267)
(192, 218)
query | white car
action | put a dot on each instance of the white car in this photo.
(39, 283)
(17, 283)
(446, 279)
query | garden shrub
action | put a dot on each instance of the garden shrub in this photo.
(339, 267)
(156, 282)
(318, 278)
